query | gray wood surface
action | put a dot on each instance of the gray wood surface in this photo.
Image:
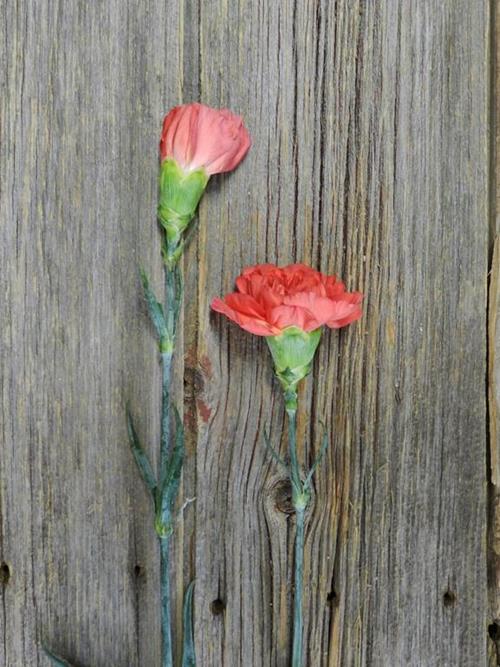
(370, 158)
(494, 354)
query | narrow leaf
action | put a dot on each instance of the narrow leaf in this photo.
(155, 308)
(170, 485)
(140, 456)
(273, 452)
(56, 660)
(317, 461)
(188, 652)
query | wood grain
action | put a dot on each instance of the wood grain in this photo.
(493, 352)
(494, 463)
(370, 159)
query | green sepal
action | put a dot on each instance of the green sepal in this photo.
(56, 660)
(188, 652)
(293, 352)
(140, 456)
(180, 193)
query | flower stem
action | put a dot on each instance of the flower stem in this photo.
(173, 298)
(292, 446)
(300, 499)
(166, 621)
(297, 600)
(166, 359)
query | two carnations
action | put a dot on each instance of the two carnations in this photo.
(288, 306)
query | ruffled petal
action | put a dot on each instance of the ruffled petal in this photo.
(254, 325)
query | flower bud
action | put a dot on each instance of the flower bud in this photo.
(293, 352)
(197, 136)
(180, 193)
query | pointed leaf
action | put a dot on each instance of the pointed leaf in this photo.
(140, 456)
(155, 308)
(317, 461)
(172, 480)
(273, 452)
(188, 651)
(56, 660)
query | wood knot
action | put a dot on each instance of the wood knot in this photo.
(282, 496)
(196, 374)
(194, 381)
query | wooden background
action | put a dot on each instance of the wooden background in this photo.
(371, 158)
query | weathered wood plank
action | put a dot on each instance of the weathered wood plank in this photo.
(373, 163)
(369, 159)
(493, 353)
(494, 462)
(84, 86)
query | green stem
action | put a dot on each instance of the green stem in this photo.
(173, 298)
(297, 600)
(166, 621)
(166, 359)
(292, 446)
(300, 499)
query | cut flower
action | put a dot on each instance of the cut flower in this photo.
(196, 142)
(269, 299)
(199, 137)
(288, 306)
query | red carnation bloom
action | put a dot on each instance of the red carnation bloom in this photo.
(199, 137)
(269, 299)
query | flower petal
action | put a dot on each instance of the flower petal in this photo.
(254, 325)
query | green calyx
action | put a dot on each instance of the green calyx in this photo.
(293, 352)
(180, 193)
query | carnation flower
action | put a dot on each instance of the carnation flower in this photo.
(196, 142)
(199, 137)
(288, 306)
(269, 299)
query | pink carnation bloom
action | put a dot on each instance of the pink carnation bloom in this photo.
(269, 299)
(199, 137)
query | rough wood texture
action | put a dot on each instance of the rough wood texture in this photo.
(494, 462)
(494, 352)
(370, 159)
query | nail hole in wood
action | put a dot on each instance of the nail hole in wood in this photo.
(332, 599)
(449, 599)
(494, 631)
(138, 571)
(283, 496)
(4, 573)
(217, 607)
